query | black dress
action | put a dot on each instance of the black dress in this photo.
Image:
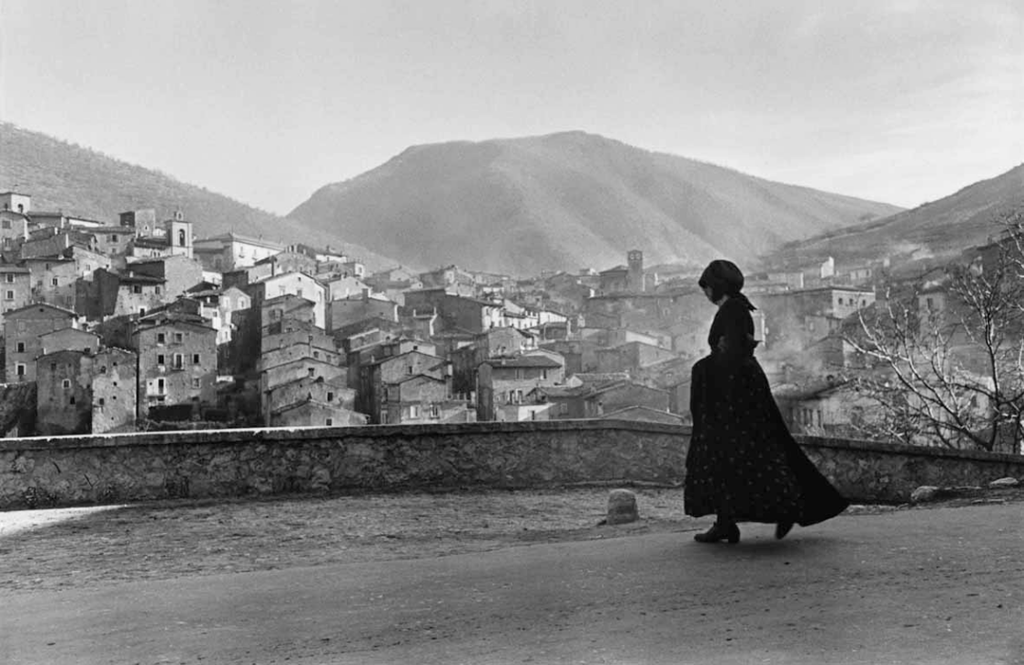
(743, 464)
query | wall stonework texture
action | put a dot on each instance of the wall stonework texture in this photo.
(63, 471)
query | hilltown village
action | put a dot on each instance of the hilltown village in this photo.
(136, 324)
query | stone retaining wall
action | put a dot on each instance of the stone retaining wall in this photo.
(61, 471)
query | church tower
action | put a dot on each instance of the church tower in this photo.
(635, 267)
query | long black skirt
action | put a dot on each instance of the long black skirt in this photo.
(743, 463)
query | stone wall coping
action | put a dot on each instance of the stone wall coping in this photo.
(906, 449)
(401, 432)
(283, 434)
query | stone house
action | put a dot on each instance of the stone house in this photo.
(315, 349)
(217, 306)
(308, 412)
(69, 339)
(15, 287)
(140, 222)
(277, 314)
(423, 398)
(114, 390)
(825, 407)
(13, 229)
(512, 380)
(376, 377)
(796, 319)
(631, 357)
(488, 344)
(342, 286)
(289, 261)
(272, 377)
(331, 391)
(55, 281)
(595, 399)
(64, 393)
(113, 241)
(296, 284)
(85, 391)
(179, 273)
(23, 331)
(456, 312)
(232, 251)
(137, 293)
(348, 310)
(177, 362)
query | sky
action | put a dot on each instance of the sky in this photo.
(901, 101)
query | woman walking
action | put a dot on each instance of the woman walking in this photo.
(743, 465)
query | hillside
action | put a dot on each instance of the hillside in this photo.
(62, 176)
(566, 201)
(939, 228)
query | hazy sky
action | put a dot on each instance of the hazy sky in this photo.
(892, 100)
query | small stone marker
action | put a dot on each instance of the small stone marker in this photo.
(1004, 482)
(924, 493)
(622, 507)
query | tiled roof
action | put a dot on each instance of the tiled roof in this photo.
(522, 361)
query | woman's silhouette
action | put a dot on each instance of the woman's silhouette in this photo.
(743, 464)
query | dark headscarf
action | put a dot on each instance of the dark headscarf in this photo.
(725, 279)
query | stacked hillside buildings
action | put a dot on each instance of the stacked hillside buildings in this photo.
(139, 324)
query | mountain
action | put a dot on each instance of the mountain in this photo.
(566, 201)
(937, 229)
(62, 176)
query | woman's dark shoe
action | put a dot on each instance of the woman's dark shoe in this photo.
(781, 529)
(719, 532)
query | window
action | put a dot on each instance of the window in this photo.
(113, 238)
(21, 348)
(20, 369)
(330, 422)
(563, 408)
(10, 278)
(136, 288)
(65, 384)
(311, 371)
(544, 374)
(161, 386)
(408, 370)
(179, 337)
(54, 282)
(196, 383)
(195, 358)
(519, 397)
(511, 396)
(181, 237)
(330, 396)
(160, 359)
(179, 361)
(158, 289)
(103, 369)
(53, 367)
(8, 295)
(414, 411)
(7, 224)
(72, 400)
(102, 402)
(161, 338)
(316, 354)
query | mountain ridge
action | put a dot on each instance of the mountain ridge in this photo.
(61, 175)
(940, 228)
(567, 200)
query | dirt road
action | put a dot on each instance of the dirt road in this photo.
(937, 585)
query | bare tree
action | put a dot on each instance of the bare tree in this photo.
(947, 355)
